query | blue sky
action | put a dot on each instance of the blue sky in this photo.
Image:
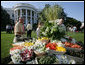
(72, 9)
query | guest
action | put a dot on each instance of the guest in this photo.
(29, 30)
(38, 30)
(18, 30)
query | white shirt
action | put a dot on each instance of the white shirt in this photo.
(18, 28)
(29, 27)
(38, 30)
(74, 28)
(63, 26)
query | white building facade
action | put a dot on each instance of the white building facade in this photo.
(28, 11)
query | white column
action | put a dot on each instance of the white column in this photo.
(17, 14)
(34, 16)
(20, 12)
(14, 17)
(31, 16)
(26, 17)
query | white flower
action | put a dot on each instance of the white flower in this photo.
(17, 51)
(60, 44)
(65, 61)
(54, 41)
(47, 49)
(47, 29)
(16, 58)
(72, 62)
(44, 33)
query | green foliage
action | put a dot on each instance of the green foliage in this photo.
(5, 19)
(35, 25)
(72, 22)
(52, 31)
(52, 12)
(47, 59)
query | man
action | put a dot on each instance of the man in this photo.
(60, 23)
(29, 29)
(18, 29)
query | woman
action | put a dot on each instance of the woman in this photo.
(38, 30)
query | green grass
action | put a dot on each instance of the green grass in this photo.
(78, 36)
(7, 40)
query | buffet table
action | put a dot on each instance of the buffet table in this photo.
(28, 52)
(77, 59)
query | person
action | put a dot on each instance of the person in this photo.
(60, 23)
(74, 29)
(18, 30)
(29, 30)
(38, 30)
(7, 28)
(10, 30)
(82, 27)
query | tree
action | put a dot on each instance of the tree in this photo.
(72, 22)
(5, 19)
(52, 12)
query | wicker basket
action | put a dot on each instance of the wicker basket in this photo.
(18, 44)
(39, 54)
(46, 41)
(73, 49)
(50, 52)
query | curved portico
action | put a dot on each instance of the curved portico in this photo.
(28, 11)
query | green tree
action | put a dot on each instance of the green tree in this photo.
(5, 19)
(72, 22)
(52, 12)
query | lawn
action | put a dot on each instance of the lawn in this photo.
(7, 40)
(78, 35)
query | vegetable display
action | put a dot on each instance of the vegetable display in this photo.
(60, 49)
(71, 45)
(46, 59)
(45, 50)
(54, 46)
(28, 44)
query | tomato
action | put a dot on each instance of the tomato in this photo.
(75, 46)
(51, 46)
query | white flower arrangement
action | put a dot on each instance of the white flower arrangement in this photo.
(63, 59)
(39, 46)
(17, 51)
(16, 58)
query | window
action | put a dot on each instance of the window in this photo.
(18, 12)
(28, 12)
(28, 19)
(23, 12)
(32, 13)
